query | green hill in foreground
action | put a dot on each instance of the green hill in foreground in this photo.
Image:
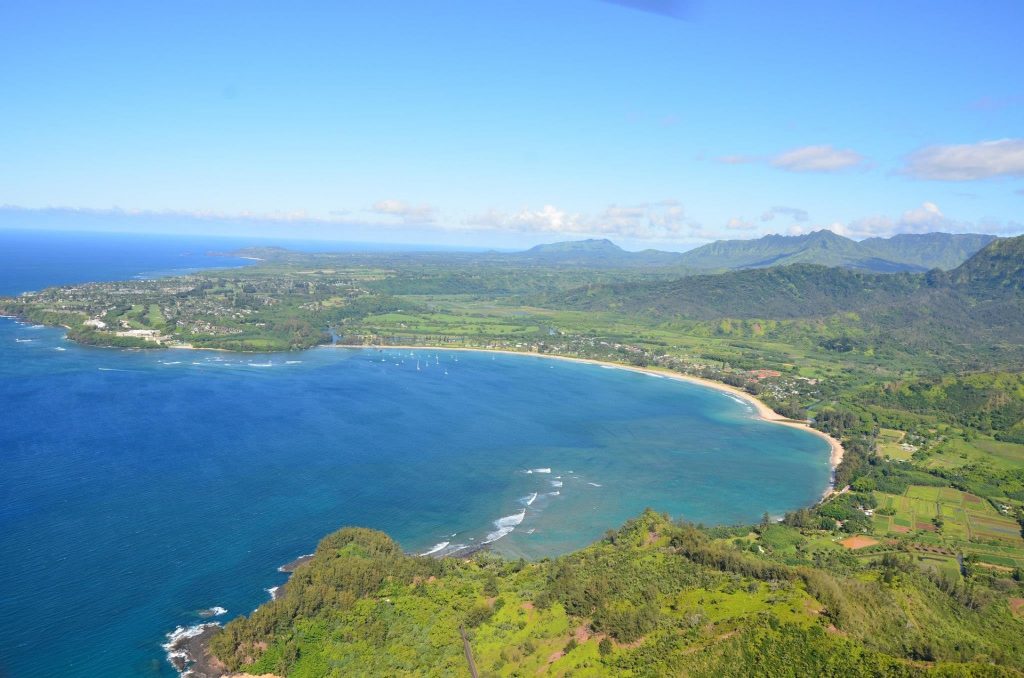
(652, 599)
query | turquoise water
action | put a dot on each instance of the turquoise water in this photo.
(137, 488)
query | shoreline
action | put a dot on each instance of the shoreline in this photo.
(188, 647)
(762, 411)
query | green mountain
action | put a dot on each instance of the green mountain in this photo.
(796, 291)
(808, 290)
(594, 253)
(905, 252)
(929, 250)
(900, 253)
(999, 266)
(977, 308)
(820, 247)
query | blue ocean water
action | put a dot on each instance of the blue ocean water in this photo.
(139, 487)
(33, 260)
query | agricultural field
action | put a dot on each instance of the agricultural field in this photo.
(957, 452)
(1000, 556)
(891, 444)
(946, 516)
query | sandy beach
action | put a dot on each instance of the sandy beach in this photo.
(763, 411)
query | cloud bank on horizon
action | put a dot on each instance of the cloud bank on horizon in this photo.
(663, 223)
(655, 122)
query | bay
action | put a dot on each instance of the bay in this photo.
(140, 487)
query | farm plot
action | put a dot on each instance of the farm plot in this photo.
(963, 516)
(891, 445)
(988, 528)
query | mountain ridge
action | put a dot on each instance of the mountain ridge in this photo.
(907, 252)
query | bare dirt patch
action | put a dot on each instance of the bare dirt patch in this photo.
(555, 656)
(1017, 606)
(858, 542)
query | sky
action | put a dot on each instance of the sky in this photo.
(655, 123)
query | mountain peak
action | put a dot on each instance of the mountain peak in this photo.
(826, 235)
(999, 265)
(588, 245)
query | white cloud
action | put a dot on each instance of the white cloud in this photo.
(737, 224)
(545, 220)
(410, 214)
(927, 218)
(818, 159)
(661, 220)
(795, 213)
(967, 162)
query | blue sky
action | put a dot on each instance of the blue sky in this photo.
(510, 123)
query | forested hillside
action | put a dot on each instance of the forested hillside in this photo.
(945, 251)
(654, 598)
(905, 252)
(976, 308)
(797, 291)
(999, 267)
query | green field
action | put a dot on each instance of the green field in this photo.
(890, 444)
(957, 452)
(967, 521)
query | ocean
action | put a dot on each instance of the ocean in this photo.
(138, 488)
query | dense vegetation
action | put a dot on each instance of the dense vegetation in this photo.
(654, 598)
(905, 252)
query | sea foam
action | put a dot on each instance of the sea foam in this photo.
(177, 644)
(504, 526)
(440, 546)
(214, 611)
